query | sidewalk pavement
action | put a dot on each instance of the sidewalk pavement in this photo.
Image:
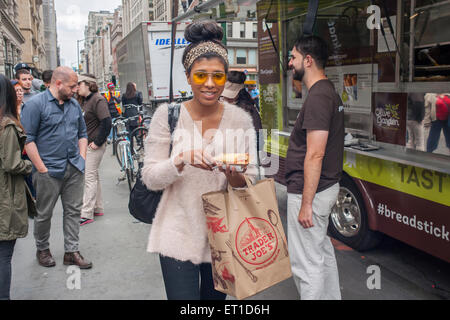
(123, 269)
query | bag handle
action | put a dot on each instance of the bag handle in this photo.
(173, 116)
(247, 180)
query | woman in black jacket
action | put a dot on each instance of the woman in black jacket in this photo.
(235, 93)
(130, 100)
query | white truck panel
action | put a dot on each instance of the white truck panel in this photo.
(159, 47)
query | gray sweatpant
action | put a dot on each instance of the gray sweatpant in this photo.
(313, 262)
(48, 190)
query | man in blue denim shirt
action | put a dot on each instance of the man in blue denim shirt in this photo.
(57, 144)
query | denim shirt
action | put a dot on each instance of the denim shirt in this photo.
(56, 130)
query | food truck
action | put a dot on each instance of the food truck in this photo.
(390, 63)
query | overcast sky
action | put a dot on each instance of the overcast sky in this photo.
(72, 17)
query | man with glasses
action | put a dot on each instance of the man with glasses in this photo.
(57, 145)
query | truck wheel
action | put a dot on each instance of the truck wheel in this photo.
(348, 220)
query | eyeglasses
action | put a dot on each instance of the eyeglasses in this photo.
(200, 77)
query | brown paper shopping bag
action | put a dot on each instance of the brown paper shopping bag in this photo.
(248, 246)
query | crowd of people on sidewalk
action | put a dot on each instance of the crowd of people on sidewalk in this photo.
(60, 141)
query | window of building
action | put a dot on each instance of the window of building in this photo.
(255, 30)
(230, 30)
(231, 56)
(242, 30)
(241, 56)
(252, 57)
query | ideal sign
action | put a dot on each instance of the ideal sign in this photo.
(168, 42)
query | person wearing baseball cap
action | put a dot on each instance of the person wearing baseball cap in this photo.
(236, 94)
(114, 100)
(23, 75)
(98, 124)
(21, 65)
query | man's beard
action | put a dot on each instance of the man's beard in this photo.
(299, 74)
(65, 97)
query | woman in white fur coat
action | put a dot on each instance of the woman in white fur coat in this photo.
(206, 128)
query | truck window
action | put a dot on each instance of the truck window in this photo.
(427, 41)
(350, 66)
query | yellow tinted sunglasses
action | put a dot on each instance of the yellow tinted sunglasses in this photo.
(200, 77)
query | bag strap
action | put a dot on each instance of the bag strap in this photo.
(173, 116)
(310, 21)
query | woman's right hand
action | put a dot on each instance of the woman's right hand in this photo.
(196, 158)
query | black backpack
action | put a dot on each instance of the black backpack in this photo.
(143, 202)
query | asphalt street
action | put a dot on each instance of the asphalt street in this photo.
(124, 270)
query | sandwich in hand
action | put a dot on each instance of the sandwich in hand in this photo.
(240, 159)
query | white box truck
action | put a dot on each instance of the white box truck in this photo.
(144, 58)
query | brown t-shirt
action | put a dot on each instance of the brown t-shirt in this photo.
(322, 110)
(95, 109)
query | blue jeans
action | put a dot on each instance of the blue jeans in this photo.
(435, 134)
(111, 132)
(181, 280)
(6, 253)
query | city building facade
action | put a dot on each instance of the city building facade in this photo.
(242, 44)
(116, 37)
(135, 12)
(96, 58)
(50, 34)
(31, 24)
(11, 38)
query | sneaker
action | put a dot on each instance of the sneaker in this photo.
(84, 221)
(98, 214)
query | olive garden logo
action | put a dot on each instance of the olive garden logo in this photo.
(388, 116)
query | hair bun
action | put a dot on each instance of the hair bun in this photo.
(203, 31)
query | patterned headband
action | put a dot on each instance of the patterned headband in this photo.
(201, 49)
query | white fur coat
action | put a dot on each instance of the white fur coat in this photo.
(179, 229)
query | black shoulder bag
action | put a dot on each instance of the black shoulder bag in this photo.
(143, 202)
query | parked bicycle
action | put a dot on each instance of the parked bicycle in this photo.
(129, 148)
(137, 115)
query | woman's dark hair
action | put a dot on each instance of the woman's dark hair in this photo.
(131, 91)
(204, 31)
(93, 87)
(243, 96)
(8, 100)
(236, 77)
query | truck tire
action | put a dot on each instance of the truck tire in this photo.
(348, 220)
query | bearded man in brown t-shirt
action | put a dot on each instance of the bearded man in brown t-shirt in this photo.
(313, 169)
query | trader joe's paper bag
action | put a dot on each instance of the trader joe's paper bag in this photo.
(248, 245)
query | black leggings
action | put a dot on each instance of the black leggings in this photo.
(182, 280)
(6, 253)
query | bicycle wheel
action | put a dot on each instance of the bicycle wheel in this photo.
(120, 152)
(137, 138)
(114, 141)
(130, 163)
(129, 178)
